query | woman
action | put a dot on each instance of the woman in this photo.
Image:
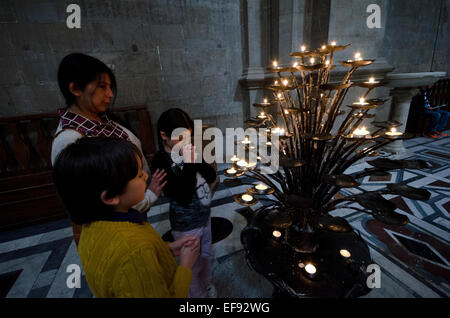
(89, 87)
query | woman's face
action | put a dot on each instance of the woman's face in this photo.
(97, 95)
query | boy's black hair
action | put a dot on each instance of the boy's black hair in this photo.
(81, 69)
(91, 165)
(170, 120)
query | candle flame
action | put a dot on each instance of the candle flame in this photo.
(303, 48)
(310, 268)
(333, 43)
(275, 64)
(285, 82)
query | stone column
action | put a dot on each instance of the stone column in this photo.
(256, 44)
(401, 102)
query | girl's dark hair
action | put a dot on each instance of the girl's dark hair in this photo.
(170, 120)
(91, 165)
(81, 69)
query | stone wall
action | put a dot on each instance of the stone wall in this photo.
(192, 53)
(164, 53)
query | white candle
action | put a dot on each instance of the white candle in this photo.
(394, 132)
(361, 132)
(234, 158)
(312, 60)
(303, 48)
(362, 101)
(282, 132)
(324, 47)
(231, 171)
(247, 197)
(358, 56)
(261, 187)
(295, 64)
(345, 253)
(250, 164)
(280, 96)
(285, 82)
(275, 83)
(275, 64)
(265, 101)
(276, 233)
(333, 43)
(327, 62)
(262, 115)
(372, 80)
(242, 163)
(310, 268)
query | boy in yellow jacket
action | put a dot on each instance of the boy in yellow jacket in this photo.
(99, 180)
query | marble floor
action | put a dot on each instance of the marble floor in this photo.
(414, 259)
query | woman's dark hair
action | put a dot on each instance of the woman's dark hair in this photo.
(81, 69)
(91, 165)
(170, 120)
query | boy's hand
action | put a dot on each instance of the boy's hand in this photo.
(157, 184)
(185, 241)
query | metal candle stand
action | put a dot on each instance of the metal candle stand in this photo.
(314, 254)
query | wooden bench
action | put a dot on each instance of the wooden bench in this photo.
(27, 193)
(440, 95)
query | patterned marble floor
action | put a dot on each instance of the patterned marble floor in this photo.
(414, 259)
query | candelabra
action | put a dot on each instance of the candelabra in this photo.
(293, 240)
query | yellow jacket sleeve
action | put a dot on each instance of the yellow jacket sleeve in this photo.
(144, 274)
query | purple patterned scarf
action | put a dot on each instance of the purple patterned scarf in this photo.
(91, 128)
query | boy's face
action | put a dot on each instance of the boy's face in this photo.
(134, 191)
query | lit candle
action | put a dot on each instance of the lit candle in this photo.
(262, 115)
(276, 233)
(361, 132)
(372, 80)
(247, 197)
(303, 48)
(324, 47)
(285, 82)
(231, 171)
(246, 140)
(286, 112)
(261, 187)
(362, 101)
(250, 164)
(295, 64)
(310, 268)
(333, 43)
(265, 101)
(242, 163)
(358, 56)
(280, 96)
(327, 62)
(282, 132)
(345, 253)
(275, 64)
(394, 132)
(275, 83)
(312, 60)
(234, 158)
